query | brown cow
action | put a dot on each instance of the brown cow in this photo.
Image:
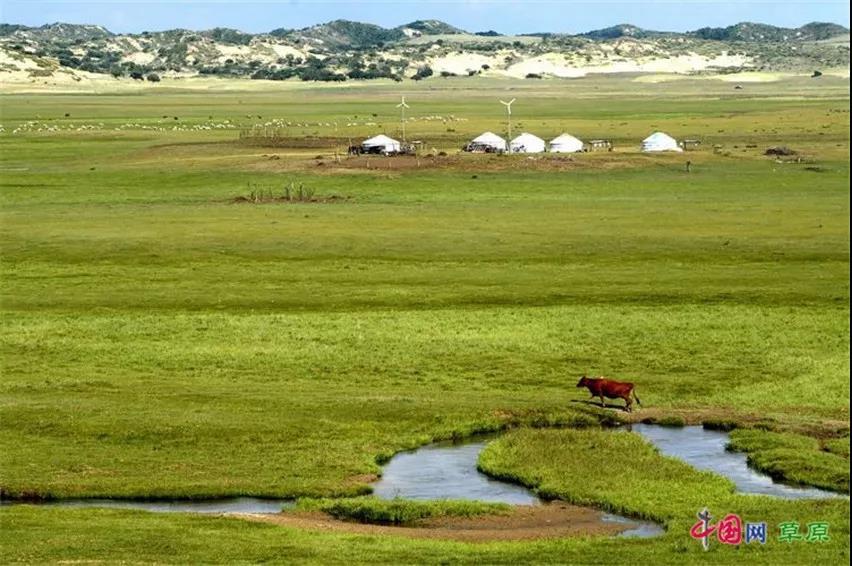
(602, 387)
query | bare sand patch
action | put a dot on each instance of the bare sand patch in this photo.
(750, 77)
(555, 64)
(743, 77)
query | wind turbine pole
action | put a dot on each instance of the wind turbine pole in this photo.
(402, 106)
(508, 106)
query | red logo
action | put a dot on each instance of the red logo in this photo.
(728, 531)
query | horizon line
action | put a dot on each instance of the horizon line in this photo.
(844, 25)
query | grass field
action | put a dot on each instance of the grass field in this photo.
(160, 340)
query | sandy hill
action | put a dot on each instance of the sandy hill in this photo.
(421, 50)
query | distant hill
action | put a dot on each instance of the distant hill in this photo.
(420, 50)
(822, 30)
(621, 30)
(347, 34)
(431, 27)
(58, 32)
(751, 32)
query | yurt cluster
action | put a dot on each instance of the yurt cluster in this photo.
(490, 142)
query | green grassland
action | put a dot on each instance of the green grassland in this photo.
(160, 340)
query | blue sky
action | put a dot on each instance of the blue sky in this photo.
(505, 16)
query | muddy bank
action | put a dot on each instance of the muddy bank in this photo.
(524, 522)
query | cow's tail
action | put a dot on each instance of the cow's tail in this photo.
(636, 397)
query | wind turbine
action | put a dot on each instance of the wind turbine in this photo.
(402, 106)
(508, 106)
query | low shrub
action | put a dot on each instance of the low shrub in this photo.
(290, 192)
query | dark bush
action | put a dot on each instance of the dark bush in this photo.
(423, 72)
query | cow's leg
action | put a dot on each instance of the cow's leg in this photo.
(603, 404)
(629, 406)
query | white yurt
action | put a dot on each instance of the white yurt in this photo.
(658, 141)
(565, 143)
(527, 143)
(488, 140)
(381, 144)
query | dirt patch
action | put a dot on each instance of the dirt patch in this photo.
(475, 162)
(455, 162)
(779, 150)
(463, 163)
(280, 140)
(361, 479)
(525, 522)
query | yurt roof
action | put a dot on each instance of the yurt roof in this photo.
(527, 137)
(565, 138)
(659, 137)
(489, 137)
(380, 139)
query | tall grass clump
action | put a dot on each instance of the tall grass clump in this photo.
(290, 192)
(399, 511)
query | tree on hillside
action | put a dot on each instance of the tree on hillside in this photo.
(422, 73)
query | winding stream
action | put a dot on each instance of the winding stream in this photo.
(446, 470)
(707, 450)
(221, 506)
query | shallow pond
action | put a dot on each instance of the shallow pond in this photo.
(706, 450)
(446, 470)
